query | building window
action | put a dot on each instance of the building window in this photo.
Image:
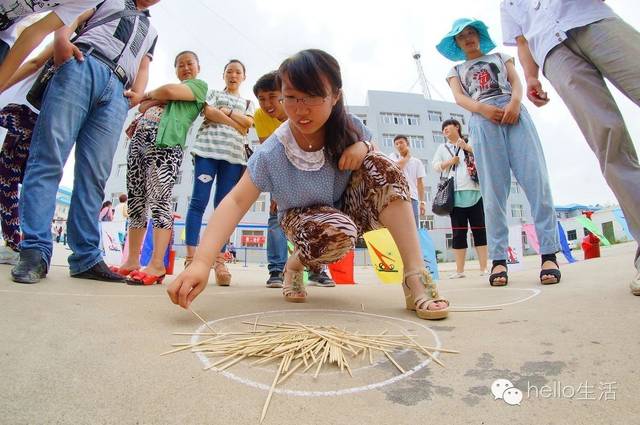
(416, 142)
(429, 222)
(387, 140)
(435, 116)
(438, 137)
(399, 119)
(122, 169)
(260, 205)
(517, 210)
(459, 118)
(449, 238)
(174, 202)
(179, 177)
(515, 188)
(572, 235)
(427, 195)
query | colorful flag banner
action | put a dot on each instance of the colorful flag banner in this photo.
(111, 245)
(532, 237)
(385, 256)
(342, 270)
(429, 253)
(564, 244)
(515, 248)
(590, 226)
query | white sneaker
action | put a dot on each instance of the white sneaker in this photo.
(457, 275)
(8, 256)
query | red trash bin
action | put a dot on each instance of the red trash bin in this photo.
(591, 246)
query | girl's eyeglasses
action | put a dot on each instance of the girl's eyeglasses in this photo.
(307, 100)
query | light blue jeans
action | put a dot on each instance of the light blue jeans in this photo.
(500, 150)
(276, 245)
(83, 106)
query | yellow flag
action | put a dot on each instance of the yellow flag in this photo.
(385, 256)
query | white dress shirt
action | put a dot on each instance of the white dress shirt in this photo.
(544, 23)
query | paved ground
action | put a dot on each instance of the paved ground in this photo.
(80, 352)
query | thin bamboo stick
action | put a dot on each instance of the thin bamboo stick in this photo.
(273, 386)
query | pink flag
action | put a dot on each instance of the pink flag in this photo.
(532, 238)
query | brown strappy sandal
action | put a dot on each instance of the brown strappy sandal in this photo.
(293, 287)
(223, 276)
(421, 304)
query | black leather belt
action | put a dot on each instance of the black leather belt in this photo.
(118, 70)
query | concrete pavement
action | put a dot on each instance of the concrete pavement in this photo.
(82, 352)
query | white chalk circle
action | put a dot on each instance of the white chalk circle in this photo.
(499, 386)
(512, 396)
(349, 319)
(496, 293)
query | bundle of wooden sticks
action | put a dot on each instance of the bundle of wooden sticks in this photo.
(300, 347)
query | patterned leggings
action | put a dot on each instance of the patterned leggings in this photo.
(19, 120)
(323, 234)
(151, 174)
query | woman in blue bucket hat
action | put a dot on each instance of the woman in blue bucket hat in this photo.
(504, 140)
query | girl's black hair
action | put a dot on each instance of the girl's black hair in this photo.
(244, 70)
(454, 122)
(307, 71)
(266, 83)
(185, 52)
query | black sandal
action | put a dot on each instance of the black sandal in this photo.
(494, 276)
(555, 273)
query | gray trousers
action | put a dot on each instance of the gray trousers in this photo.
(609, 49)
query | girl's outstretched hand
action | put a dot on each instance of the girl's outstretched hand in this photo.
(353, 156)
(188, 285)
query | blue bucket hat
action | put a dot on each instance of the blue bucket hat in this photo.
(450, 50)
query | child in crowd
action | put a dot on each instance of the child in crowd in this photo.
(329, 186)
(504, 140)
(153, 162)
(218, 154)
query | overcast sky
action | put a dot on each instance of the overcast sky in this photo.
(374, 42)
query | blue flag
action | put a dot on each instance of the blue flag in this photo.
(428, 253)
(565, 245)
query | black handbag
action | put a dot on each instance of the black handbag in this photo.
(36, 92)
(443, 201)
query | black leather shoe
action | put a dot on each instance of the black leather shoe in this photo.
(99, 272)
(30, 268)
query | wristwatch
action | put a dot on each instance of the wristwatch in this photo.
(369, 145)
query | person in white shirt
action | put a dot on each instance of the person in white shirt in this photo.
(577, 44)
(120, 211)
(415, 173)
(468, 209)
